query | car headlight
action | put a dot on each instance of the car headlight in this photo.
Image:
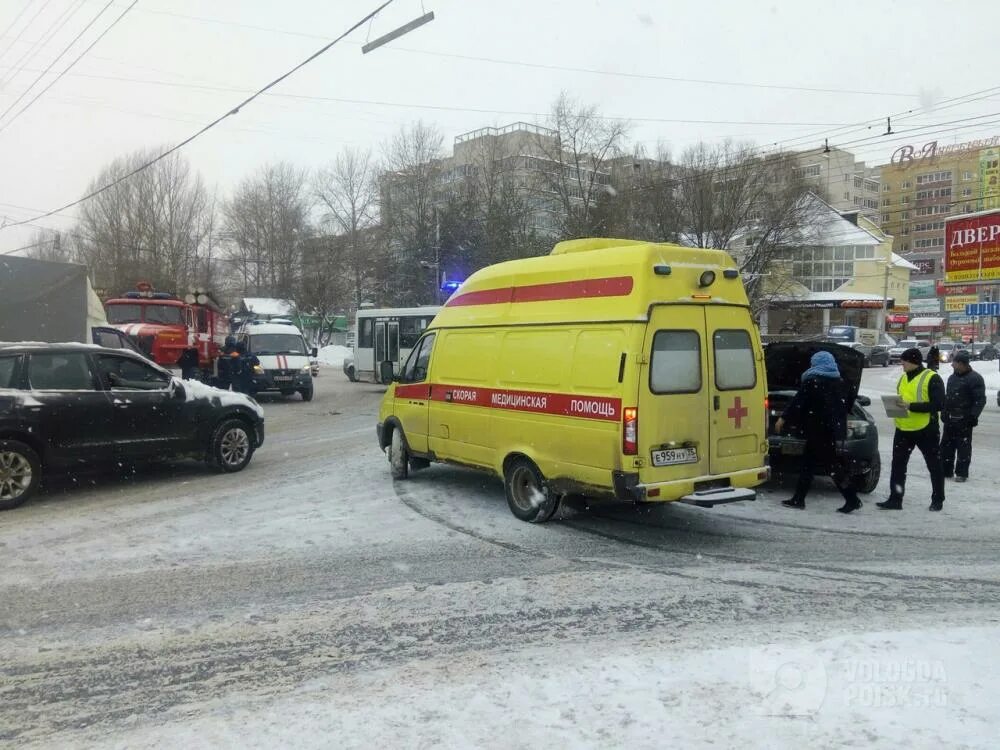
(258, 370)
(856, 428)
(306, 369)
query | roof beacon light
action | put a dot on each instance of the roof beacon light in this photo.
(731, 273)
(707, 279)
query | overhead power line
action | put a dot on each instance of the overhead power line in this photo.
(235, 110)
(440, 107)
(544, 66)
(69, 67)
(11, 25)
(44, 39)
(52, 64)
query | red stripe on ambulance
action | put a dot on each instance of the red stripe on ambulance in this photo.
(562, 404)
(612, 286)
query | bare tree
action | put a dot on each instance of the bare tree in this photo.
(154, 225)
(347, 191)
(733, 197)
(575, 161)
(266, 221)
(409, 189)
(50, 245)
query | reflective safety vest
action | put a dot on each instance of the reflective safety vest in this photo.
(916, 390)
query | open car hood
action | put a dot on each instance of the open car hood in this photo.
(787, 360)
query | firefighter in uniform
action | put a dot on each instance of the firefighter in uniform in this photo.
(921, 391)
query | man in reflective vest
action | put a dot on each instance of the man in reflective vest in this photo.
(921, 392)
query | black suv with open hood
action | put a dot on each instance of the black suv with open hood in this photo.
(785, 362)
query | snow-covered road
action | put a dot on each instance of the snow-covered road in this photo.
(310, 602)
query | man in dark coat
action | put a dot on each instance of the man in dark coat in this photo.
(934, 359)
(243, 372)
(921, 392)
(188, 362)
(227, 363)
(965, 399)
(820, 408)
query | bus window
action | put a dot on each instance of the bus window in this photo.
(409, 331)
(365, 333)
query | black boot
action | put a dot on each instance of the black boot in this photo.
(935, 506)
(849, 506)
(793, 503)
(891, 504)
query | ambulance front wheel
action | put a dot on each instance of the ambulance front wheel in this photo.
(528, 496)
(399, 459)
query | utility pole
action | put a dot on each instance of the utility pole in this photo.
(885, 298)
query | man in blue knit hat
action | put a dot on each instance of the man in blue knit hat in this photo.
(820, 408)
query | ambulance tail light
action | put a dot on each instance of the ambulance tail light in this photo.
(630, 430)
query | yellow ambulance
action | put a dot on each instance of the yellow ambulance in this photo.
(609, 368)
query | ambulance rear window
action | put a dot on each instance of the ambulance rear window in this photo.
(735, 368)
(675, 364)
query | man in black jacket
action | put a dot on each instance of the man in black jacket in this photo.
(819, 408)
(965, 400)
(921, 393)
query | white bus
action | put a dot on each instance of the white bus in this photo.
(387, 334)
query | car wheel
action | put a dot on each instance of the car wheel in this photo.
(528, 496)
(232, 446)
(399, 457)
(307, 394)
(20, 473)
(868, 483)
(351, 375)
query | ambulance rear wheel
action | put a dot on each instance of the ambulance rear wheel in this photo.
(399, 459)
(528, 496)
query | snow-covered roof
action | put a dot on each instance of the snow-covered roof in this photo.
(900, 262)
(268, 306)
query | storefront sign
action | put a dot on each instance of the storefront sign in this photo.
(942, 289)
(989, 177)
(925, 266)
(908, 154)
(924, 306)
(924, 289)
(972, 248)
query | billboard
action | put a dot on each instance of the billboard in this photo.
(925, 266)
(957, 302)
(989, 176)
(972, 248)
(925, 289)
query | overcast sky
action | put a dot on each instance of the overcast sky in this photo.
(880, 58)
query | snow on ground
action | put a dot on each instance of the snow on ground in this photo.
(334, 355)
(865, 690)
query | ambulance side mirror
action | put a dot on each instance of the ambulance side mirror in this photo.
(314, 352)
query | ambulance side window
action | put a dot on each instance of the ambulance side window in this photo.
(420, 359)
(735, 368)
(675, 364)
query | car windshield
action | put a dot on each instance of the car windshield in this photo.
(124, 313)
(277, 343)
(945, 347)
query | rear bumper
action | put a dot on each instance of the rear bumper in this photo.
(703, 491)
(267, 382)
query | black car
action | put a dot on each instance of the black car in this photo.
(67, 405)
(785, 362)
(875, 356)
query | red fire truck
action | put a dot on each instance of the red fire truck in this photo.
(165, 325)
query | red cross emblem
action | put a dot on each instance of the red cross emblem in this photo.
(738, 412)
